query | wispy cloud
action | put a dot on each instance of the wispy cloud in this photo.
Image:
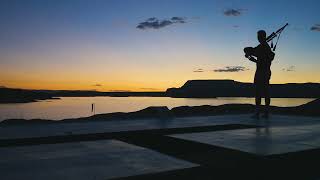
(150, 89)
(120, 91)
(290, 68)
(155, 23)
(97, 85)
(233, 12)
(198, 70)
(178, 19)
(231, 69)
(315, 27)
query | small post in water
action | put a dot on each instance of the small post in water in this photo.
(93, 108)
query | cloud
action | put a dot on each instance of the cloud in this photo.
(233, 12)
(120, 91)
(178, 20)
(231, 69)
(151, 89)
(97, 85)
(315, 27)
(198, 70)
(155, 23)
(289, 69)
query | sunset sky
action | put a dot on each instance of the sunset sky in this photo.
(151, 45)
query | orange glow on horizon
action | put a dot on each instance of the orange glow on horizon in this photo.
(111, 71)
(149, 83)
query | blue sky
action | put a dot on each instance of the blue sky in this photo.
(72, 44)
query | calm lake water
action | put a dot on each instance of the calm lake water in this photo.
(74, 107)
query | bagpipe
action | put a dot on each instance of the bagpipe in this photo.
(249, 51)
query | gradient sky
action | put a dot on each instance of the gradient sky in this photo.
(95, 44)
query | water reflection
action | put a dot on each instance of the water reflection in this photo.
(263, 137)
(74, 107)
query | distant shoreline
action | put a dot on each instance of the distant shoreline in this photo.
(11, 96)
(191, 89)
(27, 100)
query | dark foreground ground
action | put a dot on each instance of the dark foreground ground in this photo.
(221, 163)
(215, 162)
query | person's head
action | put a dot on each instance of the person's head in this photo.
(262, 35)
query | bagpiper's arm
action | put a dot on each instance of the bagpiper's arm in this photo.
(249, 53)
(251, 58)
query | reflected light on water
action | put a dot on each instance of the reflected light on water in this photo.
(74, 107)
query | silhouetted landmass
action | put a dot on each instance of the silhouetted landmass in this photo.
(191, 89)
(308, 109)
(66, 93)
(9, 95)
(230, 88)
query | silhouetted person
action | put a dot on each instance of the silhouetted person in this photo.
(262, 55)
